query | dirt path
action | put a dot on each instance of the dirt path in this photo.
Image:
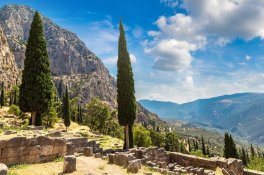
(85, 165)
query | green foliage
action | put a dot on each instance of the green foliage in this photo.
(141, 136)
(256, 163)
(100, 117)
(203, 147)
(172, 142)
(74, 109)
(157, 138)
(125, 83)
(198, 153)
(36, 88)
(2, 97)
(66, 109)
(230, 150)
(14, 110)
(244, 156)
(252, 150)
(50, 117)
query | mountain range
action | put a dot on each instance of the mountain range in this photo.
(72, 63)
(241, 114)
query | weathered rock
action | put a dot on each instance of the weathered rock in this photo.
(70, 148)
(3, 169)
(69, 164)
(97, 155)
(134, 166)
(54, 134)
(88, 151)
(111, 158)
(121, 159)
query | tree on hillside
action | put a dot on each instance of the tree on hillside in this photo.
(36, 87)
(142, 136)
(60, 89)
(244, 156)
(125, 89)
(230, 150)
(2, 97)
(171, 142)
(66, 110)
(252, 150)
(203, 147)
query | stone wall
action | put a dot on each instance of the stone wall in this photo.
(252, 172)
(40, 149)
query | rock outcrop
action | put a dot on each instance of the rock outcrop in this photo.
(8, 68)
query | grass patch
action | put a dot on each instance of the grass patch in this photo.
(59, 159)
(19, 166)
(108, 142)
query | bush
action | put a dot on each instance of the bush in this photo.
(14, 110)
(157, 138)
(198, 153)
(172, 142)
(141, 136)
(256, 163)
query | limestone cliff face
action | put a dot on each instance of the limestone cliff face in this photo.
(70, 59)
(8, 68)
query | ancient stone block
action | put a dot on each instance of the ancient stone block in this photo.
(70, 149)
(97, 155)
(69, 164)
(111, 158)
(3, 169)
(14, 142)
(88, 151)
(134, 166)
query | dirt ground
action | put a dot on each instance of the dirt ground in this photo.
(85, 165)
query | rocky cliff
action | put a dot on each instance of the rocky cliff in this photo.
(8, 68)
(71, 61)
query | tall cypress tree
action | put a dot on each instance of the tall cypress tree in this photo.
(203, 146)
(244, 156)
(125, 89)
(66, 110)
(252, 150)
(36, 88)
(2, 99)
(227, 146)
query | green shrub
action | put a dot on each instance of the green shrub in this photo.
(141, 136)
(14, 110)
(198, 153)
(256, 163)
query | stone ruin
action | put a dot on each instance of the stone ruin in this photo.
(42, 149)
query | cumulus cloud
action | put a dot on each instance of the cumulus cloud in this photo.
(247, 57)
(206, 21)
(170, 3)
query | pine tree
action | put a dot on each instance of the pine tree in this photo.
(2, 98)
(252, 150)
(125, 89)
(36, 88)
(203, 147)
(66, 110)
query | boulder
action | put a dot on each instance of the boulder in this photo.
(97, 155)
(121, 159)
(69, 164)
(88, 151)
(3, 169)
(134, 166)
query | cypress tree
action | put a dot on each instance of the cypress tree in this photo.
(2, 102)
(125, 89)
(227, 146)
(244, 156)
(233, 151)
(60, 89)
(66, 110)
(252, 150)
(36, 88)
(189, 144)
(203, 147)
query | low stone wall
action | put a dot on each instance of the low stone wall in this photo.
(40, 149)
(252, 172)
(230, 165)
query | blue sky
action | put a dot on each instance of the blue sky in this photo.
(181, 50)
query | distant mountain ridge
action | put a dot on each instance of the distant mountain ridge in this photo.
(241, 114)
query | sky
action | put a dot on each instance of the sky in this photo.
(181, 50)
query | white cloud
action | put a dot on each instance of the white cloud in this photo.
(247, 57)
(172, 54)
(217, 21)
(170, 3)
(111, 61)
